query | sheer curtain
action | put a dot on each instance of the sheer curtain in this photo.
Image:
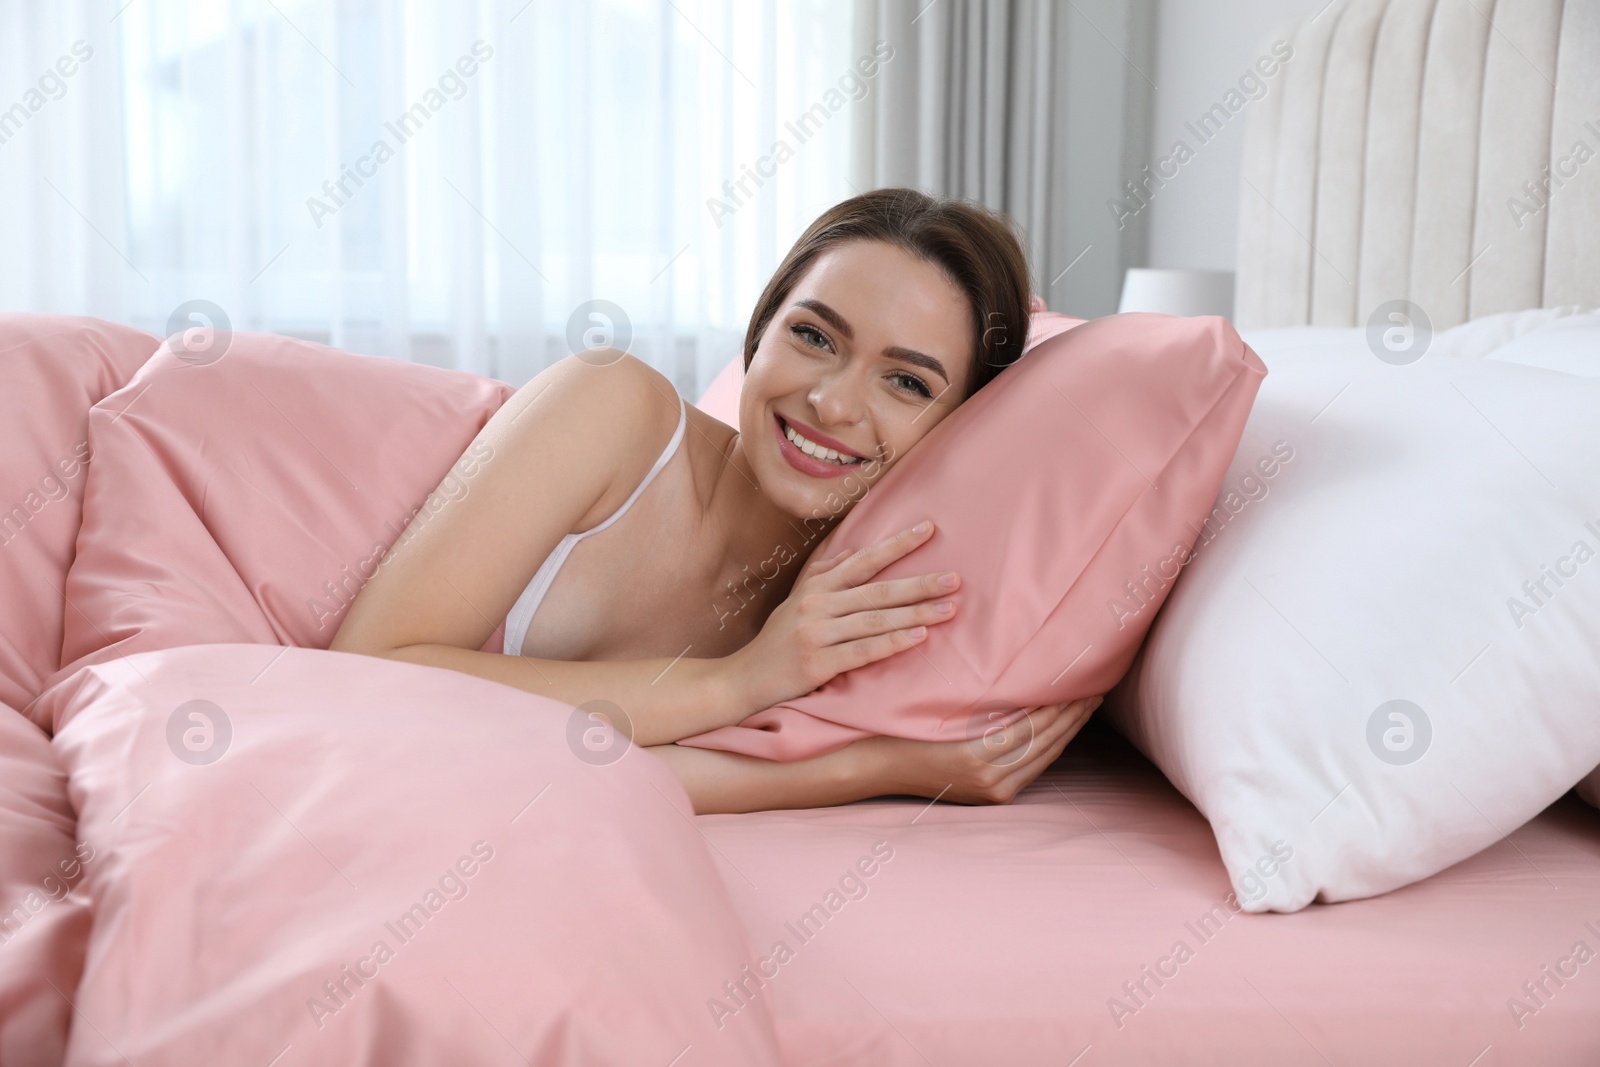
(1034, 107)
(482, 185)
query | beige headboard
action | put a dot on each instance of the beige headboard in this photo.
(1401, 153)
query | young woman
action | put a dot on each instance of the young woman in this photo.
(612, 520)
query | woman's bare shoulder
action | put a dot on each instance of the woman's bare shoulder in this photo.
(599, 396)
(581, 397)
(560, 455)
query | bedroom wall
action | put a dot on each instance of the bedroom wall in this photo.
(1203, 47)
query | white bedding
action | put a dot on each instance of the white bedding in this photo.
(1565, 339)
(1351, 665)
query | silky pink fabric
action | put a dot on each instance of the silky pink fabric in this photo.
(250, 498)
(1067, 493)
(533, 906)
(1004, 935)
(44, 918)
(53, 369)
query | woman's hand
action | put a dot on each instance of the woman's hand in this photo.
(991, 769)
(835, 619)
(987, 770)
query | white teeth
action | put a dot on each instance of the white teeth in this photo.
(816, 451)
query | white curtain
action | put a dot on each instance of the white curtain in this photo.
(1037, 108)
(479, 185)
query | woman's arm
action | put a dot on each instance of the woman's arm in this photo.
(555, 462)
(663, 699)
(730, 782)
(990, 771)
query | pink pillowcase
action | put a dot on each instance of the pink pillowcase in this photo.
(250, 498)
(53, 369)
(1043, 325)
(1067, 493)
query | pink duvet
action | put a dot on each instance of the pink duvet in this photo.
(234, 501)
(53, 369)
(313, 857)
(43, 925)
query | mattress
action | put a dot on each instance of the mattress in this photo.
(1089, 923)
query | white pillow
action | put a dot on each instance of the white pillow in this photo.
(1476, 339)
(1571, 345)
(1370, 546)
(1482, 336)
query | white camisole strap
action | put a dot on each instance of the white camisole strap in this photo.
(521, 615)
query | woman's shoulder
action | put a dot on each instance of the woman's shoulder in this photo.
(598, 391)
(601, 409)
(644, 402)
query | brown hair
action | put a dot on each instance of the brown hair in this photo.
(977, 249)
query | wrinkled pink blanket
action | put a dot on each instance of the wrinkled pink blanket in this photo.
(312, 857)
(230, 501)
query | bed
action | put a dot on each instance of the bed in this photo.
(201, 868)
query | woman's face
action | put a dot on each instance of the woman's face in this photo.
(867, 353)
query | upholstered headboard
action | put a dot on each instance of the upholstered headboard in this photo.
(1404, 152)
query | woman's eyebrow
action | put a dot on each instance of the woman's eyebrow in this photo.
(899, 352)
(828, 315)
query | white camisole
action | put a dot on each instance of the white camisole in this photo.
(521, 615)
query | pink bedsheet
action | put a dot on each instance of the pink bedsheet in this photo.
(1005, 936)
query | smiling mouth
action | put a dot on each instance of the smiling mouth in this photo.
(813, 450)
(792, 447)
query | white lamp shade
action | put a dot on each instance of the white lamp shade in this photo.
(1178, 292)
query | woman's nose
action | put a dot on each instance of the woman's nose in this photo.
(837, 403)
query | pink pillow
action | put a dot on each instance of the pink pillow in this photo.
(44, 928)
(53, 369)
(1067, 493)
(1043, 325)
(248, 499)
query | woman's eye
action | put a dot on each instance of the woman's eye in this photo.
(815, 338)
(914, 385)
(809, 332)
